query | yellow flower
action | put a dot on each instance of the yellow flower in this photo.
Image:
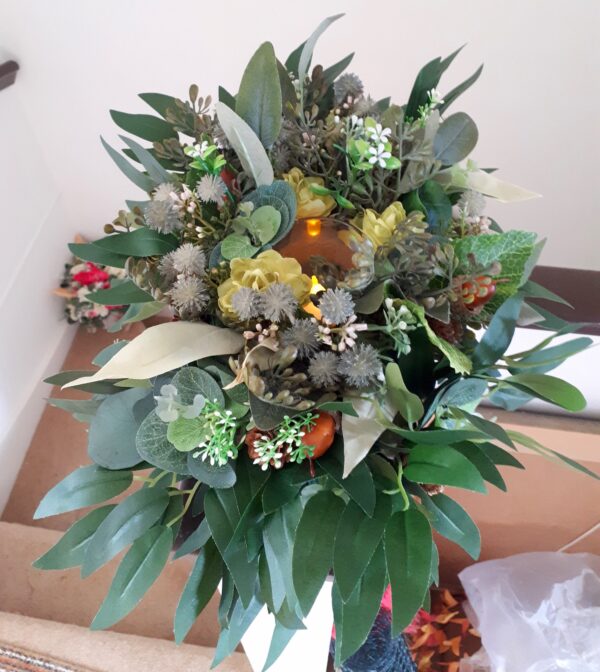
(267, 268)
(309, 204)
(380, 227)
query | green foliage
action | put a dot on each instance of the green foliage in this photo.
(138, 570)
(356, 540)
(280, 196)
(153, 445)
(83, 410)
(546, 359)
(69, 551)
(113, 429)
(142, 242)
(246, 144)
(159, 102)
(124, 293)
(457, 91)
(259, 99)
(308, 47)
(549, 388)
(408, 544)
(199, 589)
(154, 168)
(216, 476)
(145, 126)
(499, 333)
(251, 232)
(409, 405)
(456, 138)
(511, 249)
(191, 380)
(313, 551)
(108, 352)
(128, 521)
(136, 312)
(197, 539)
(428, 78)
(359, 611)
(358, 484)
(97, 255)
(449, 519)
(83, 487)
(144, 182)
(442, 465)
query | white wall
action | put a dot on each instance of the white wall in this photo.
(34, 337)
(535, 105)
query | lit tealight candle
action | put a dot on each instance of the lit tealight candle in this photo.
(315, 289)
(313, 227)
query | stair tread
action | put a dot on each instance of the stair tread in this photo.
(61, 595)
(108, 651)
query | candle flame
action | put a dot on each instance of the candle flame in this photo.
(313, 227)
(316, 285)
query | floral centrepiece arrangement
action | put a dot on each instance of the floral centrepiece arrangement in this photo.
(79, 286)
(342, 305)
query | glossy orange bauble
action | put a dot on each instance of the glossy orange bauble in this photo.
(321, 436)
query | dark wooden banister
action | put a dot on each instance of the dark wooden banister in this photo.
(8, 74)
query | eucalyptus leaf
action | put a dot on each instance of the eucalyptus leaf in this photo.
(153, 445)
(83, 487)
(159, 102)
(456, 138)
(191, 381)
(127, 522)
(214, 476)
(237, 246)
(200, 587)
(308, 47)
(138, 570)
(153, 167)
(139, 179)
(69, 551)
(113, 429)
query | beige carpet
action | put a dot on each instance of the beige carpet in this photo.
(108, 651)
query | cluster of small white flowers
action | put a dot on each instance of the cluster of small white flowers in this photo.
(184, 200)
(261, 333)
(342, 336)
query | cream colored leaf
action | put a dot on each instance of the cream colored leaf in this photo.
(360, 433)
(488, 184)
(166, 347)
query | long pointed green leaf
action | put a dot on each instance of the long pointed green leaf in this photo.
(331, 73)
(142, 181)
(144, 126)
(154, 169)
(159, 102)
(200, 587)
(408, 548)
(138, 570)
(313, 550)
(126, 523)
(549, 388)
(69, 551)
(83, 487)
(457, 91)
(309, 45)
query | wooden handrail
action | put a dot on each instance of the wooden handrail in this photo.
(579, 287)
(8, 74)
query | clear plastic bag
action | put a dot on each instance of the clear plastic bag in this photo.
(537, 612)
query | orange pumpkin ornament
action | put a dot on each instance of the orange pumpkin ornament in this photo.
(321, 435)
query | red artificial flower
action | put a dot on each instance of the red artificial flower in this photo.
(92, 275)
